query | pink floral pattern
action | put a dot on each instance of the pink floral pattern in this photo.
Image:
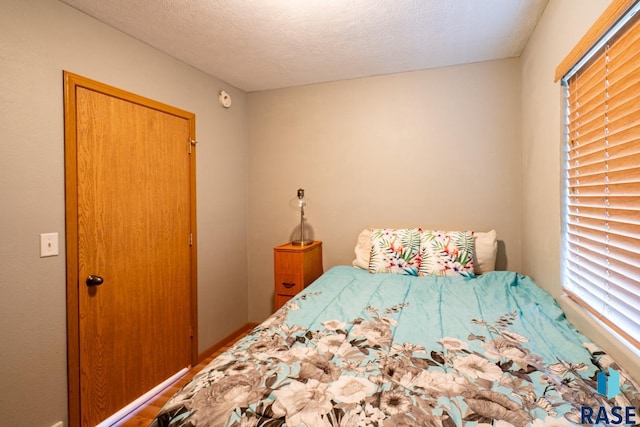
(446, 253)
(415, 252)
(395, 251)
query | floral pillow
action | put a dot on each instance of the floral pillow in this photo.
(446, 253)
(395, 251)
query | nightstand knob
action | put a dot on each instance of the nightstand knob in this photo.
(288, 285)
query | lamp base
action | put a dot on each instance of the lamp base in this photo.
(301, 242)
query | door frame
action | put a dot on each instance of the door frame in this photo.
(71, 83)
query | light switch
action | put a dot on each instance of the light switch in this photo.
(48, 244)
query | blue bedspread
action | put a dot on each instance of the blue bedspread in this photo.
(360, 349)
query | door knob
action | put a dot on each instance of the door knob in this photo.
(94, 280)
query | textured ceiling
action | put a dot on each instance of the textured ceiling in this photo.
(267, 44)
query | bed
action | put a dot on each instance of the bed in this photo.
(386, 349)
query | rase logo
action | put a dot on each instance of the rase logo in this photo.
(609, 387)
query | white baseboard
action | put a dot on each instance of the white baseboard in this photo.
(128, 411)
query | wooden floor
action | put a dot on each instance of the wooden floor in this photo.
(147, 413)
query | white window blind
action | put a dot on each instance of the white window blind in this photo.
(602, 185)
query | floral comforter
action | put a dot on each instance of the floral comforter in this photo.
(360, 349)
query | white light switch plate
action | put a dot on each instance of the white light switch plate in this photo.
(48, 244)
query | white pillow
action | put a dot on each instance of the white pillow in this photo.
(486, 244)
(484, 257)
(363, 250)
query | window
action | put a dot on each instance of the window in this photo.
(601, 203)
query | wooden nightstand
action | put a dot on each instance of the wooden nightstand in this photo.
(295, 268)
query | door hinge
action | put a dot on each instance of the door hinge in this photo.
(190, 239)
(192, 143)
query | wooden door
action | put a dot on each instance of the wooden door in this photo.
(130, 224)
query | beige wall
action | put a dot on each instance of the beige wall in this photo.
(39, 39)
(563, 23)
(436, 148)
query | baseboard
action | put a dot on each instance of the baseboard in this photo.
(233, 336)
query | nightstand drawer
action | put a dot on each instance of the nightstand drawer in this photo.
(289, 262)
(295, 267)
(288, 284)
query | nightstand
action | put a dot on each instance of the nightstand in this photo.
(295, 267)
